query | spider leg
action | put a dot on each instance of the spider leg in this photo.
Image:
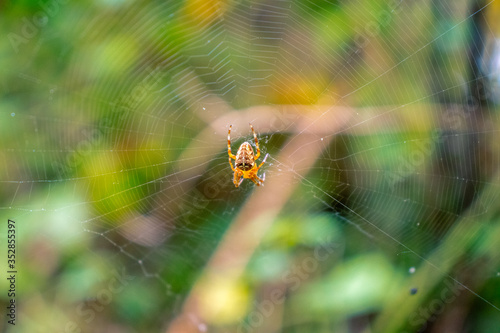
(256, 143)
(253, 179)
(229, 144)
(261, 181)
(231, 164)
(265, 158)
(237, 179)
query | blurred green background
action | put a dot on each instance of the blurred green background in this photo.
(113, 163)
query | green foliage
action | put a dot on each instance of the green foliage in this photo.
(113, 161)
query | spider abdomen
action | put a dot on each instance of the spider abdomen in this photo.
(244, 161)
(244, 157)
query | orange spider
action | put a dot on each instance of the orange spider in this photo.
(244, 164)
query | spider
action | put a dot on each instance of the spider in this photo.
(244, 164)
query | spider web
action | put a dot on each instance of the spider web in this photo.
(387, 111)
